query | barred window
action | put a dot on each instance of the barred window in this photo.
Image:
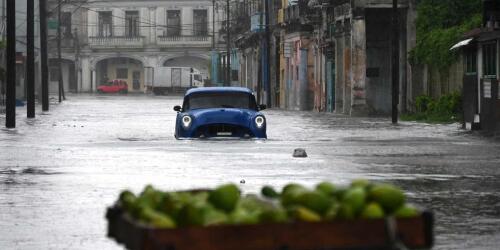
(490, 60)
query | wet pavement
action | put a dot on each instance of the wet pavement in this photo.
(60, 171)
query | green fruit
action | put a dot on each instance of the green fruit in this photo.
(173, 203)
(339, 193)
(305, 214)
(292, 187)
(315, 201)
(360, 183)
(355, 198)
(157, 219)
(225, 197)
(326, 188)
(291, 194)
(152, 196)
(372, 211)
(275, 215)
(192, 214)
(241, 216)
(269, 192)
(253, 203)
(345, 212)
(388, 196)
(163, 221)
(213, 216)
(406, 211)
(332, 212)
(127, 200)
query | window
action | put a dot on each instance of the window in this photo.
(105, 24)
(234, 75)
(470, 62)
(200, 23)
(173, 22)
(66, 25)
(132, 23)
(122, 73)
(490, 60)
(220, 100)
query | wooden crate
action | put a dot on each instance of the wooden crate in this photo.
(412, 233)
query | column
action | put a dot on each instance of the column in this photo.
(118, 22)
(187, 21)
(86, 84)
(302, 89)
(152, 19)
(358, 67)
(94, 80)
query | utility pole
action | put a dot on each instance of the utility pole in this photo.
(267, 64)
(43, 55)
(10, 105)
(77, 58)
(30, 60)
(395, 61)
(228, 44)
(213, 25)
(59, 64)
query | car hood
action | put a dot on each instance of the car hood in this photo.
(223, 115)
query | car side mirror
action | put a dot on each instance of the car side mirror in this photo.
(177, 108)
(262, 106)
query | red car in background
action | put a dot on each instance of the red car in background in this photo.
(113, 86)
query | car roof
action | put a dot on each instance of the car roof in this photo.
(218, 89)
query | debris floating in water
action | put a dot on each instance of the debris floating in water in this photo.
(299, 152)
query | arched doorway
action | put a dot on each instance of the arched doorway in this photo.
(122, 68)
(69, 76)
(197, 63)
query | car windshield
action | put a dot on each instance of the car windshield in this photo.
(220, 100)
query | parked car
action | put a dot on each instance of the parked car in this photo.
(220, 112)
(113, 86)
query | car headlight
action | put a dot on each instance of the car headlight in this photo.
(186, 121)
(259, 121)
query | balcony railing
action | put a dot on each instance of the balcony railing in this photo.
(300, 13)
(116, 42)
(196, 41)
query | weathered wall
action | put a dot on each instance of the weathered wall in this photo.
(378, 46)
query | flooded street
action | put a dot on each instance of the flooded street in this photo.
(60, 171)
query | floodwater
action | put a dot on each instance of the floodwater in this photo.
(60, 171)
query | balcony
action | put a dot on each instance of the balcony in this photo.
(184, 41)
(301, 13)
(116, 42)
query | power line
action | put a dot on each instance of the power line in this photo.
(148, 23)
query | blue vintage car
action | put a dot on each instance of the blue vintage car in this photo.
(220, 112)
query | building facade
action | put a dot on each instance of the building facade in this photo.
(128, 40)
(481, 84)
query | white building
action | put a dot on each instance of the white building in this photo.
(125, 39)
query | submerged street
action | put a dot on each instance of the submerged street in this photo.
(60, 171)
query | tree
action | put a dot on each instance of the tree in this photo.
(440, 24)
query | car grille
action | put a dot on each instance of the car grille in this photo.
(223, 130)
